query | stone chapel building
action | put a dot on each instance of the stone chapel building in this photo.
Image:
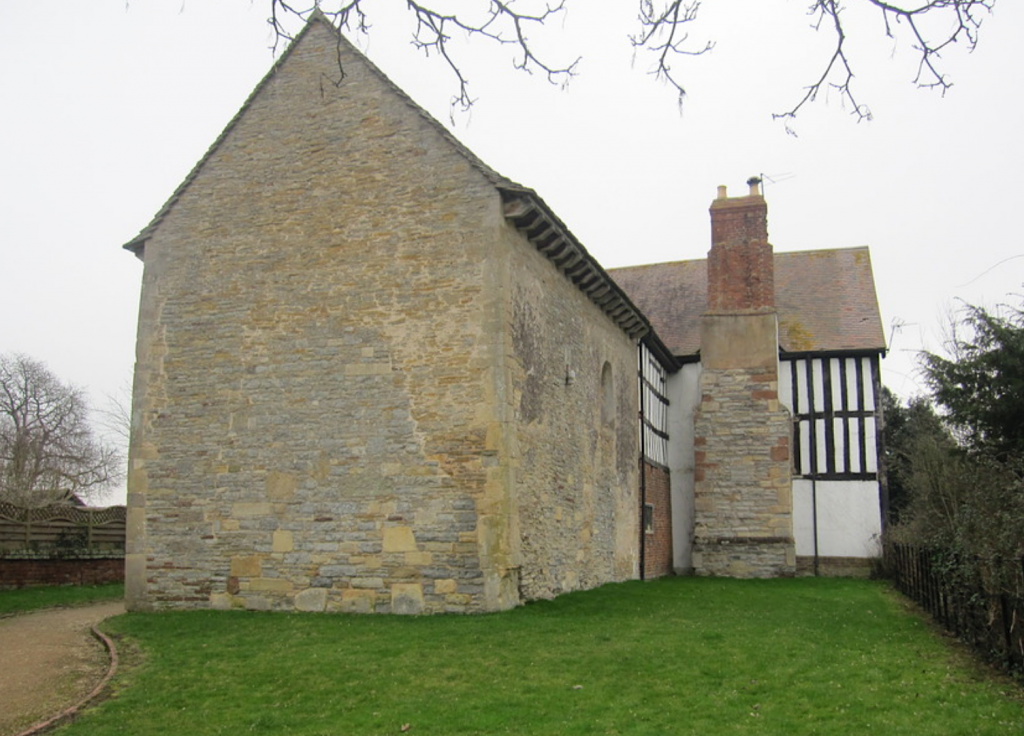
(374, 375)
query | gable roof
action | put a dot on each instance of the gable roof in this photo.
(317, 17)
(523, 206)
(825, 301)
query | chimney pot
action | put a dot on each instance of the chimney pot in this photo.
(754, 183)
(722, 192)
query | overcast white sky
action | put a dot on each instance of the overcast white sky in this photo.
(107, 105)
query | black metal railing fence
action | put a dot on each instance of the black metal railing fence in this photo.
(981, 603)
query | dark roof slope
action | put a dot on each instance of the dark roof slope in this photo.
(825, 300)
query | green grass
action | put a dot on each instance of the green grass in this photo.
(34, 598)
(675, 656)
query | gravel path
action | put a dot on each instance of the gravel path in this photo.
(49, 661)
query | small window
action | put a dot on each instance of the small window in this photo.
(649, 518)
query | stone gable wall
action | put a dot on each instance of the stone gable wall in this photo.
(315, 421)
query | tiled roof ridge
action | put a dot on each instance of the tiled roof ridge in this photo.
(138, 242)
(777, 254)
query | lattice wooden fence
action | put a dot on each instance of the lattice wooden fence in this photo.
(61, 529)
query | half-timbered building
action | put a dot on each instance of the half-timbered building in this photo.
(374, 375)
(820, 321)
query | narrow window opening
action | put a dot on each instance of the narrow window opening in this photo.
(607, 396)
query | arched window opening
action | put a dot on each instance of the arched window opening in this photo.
(607, 396)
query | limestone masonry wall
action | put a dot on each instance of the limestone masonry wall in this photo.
(573, 403)
(315, 419)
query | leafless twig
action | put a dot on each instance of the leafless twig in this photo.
(960, 21)
(662, 33)
(930, 26)
(501, 22)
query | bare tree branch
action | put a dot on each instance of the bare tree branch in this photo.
(929, 26)
(662, 33)
(500, 23)
(959, 21)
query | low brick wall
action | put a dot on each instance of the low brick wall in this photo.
(22, 571)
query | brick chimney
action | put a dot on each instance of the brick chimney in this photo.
(741, 276)
(743, 495)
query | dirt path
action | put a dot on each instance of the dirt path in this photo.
(49, 661)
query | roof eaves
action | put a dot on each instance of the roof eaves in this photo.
(532, 217)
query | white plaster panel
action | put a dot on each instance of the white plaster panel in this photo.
(849, 518)
(684, 394)
(786, 384)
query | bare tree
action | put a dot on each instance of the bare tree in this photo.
(48, 451)
(116, 416)
(929, 26)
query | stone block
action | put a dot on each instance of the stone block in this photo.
(399, 539)
(221, 601)
(407, 598)
(371, 583)
(276, 585)
(281, 486)
(419, 559)
(257, 603)
(367, 369)
(312, 600)
(358, 601)
(445, 586)
(282, 541)
(251, 510)
(247, 566)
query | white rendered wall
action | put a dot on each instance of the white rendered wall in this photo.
(849, 517)
(684, 395)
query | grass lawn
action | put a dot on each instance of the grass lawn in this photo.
(48, 596)
(674, 656)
